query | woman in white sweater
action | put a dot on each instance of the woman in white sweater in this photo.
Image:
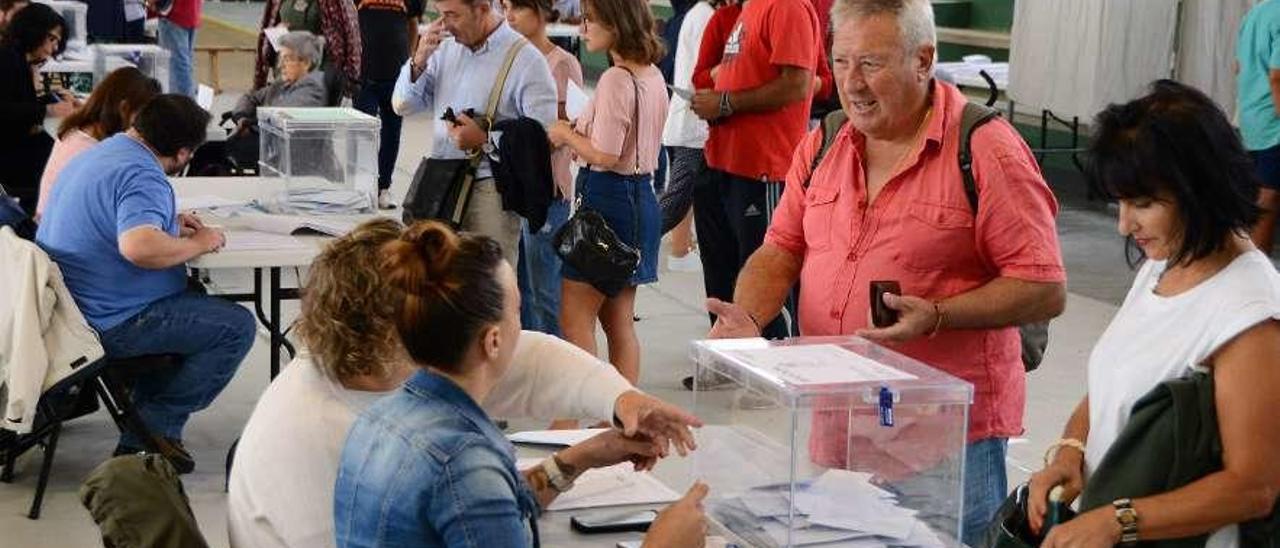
(281, 486)
(1205, 299)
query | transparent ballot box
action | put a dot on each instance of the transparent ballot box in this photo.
(320, 149)
(830, 441)
(78, 76)
(150, 59)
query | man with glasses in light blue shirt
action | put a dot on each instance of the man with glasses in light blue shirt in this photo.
(455, 66)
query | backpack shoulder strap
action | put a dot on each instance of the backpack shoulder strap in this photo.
(831, 124)
(973, 117)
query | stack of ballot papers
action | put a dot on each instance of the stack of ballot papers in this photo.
(616, 485)
(317, 201)
(209, 202)
(838, 508)
(297, 225)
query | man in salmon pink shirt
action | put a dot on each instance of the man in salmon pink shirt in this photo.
(888, 202)
(757, 106)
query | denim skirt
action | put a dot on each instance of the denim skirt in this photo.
(630, 207)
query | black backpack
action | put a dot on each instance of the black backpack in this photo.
(1035, 336)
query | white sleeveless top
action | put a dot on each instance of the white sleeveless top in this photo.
(1153, 339)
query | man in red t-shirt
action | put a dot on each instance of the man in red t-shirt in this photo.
(758, 108)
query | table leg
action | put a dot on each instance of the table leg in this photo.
(276, 338)
(270, 322)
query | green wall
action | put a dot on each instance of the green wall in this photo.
(989, 15)
(994, 15)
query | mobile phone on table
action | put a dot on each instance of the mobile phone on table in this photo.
(617, 522)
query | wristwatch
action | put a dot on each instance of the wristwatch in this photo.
(726, 108)
(558, 479)
(1128, 518)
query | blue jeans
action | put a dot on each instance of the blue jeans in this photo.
(212, 335)
(375, 100)
(985, 488)
(986, 484)
(181, 43)
(539, 272)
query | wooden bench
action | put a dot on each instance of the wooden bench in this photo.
(214, 52)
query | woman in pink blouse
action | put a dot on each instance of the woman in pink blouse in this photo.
(539, 268)
(108, 111)
(617, 139)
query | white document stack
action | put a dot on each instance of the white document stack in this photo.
(837, 507)
(316, 201)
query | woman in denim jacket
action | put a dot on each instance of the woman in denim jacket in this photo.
(426, 466)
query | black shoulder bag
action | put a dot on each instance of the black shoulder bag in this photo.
(587, 243)
(440, 189)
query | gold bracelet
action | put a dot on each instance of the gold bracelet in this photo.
(937, 326)
(1052, 451)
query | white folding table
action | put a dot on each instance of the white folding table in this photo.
(272, 261)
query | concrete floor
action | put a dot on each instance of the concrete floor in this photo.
(671, 316)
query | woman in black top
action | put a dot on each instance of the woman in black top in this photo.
(388, 30)
(34, 35)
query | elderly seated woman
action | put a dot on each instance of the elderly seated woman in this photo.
(300, 84)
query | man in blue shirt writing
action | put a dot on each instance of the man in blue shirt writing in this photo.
(112, 227)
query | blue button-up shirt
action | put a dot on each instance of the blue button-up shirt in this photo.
(426, 467)
(459, 77)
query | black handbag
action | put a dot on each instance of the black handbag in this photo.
(441, 189)
(1011, 528)
(588, 244)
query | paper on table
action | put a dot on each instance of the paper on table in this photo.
(616, 485)
(563, 438)
(252, 240)
(287, 224)
(766, 505)
(207, 202)
(868, 515)
(818, 535)
(575, 101)
(273, 35)
(922, 537)
(817, 364)
(845, 483)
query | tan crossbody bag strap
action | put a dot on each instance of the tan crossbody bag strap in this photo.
(490, 111)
